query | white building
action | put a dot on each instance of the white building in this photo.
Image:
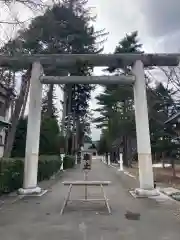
(89, 148)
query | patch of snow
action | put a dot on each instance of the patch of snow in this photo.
(159, 165)
(169, 191)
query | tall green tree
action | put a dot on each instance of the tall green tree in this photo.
(117, 111)
(162, 105)
(49, 137)
(79, 94)
(64, 28)
(49, 108)
(117, 101)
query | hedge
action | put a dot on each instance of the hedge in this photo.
(12, 169)
(68, 161)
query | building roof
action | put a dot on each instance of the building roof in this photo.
(89, 147)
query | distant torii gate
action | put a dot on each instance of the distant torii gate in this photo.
(137, 79)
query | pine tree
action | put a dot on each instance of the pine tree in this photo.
(117, 101)
(48, 105)
(64, 28)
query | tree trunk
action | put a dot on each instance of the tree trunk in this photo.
(64, 111)
(125, 157)
(50, 100)
(16, 114)
(8, 82)
(73, 133)
(25, 100)
(163, 160)
(173, 167)
(13, 100)
(77, 136)
(69, 117)
(130, 152)
(80, 133)
(1, 76)
(106, 155)
(117, 155)
(155, 156)
(8, 96)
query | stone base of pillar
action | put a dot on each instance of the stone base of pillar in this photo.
(120, 170)
(146, 193)
(31, 191)
(62, 168)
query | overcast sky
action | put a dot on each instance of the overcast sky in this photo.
(157, 22)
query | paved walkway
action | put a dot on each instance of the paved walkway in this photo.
(39, 218)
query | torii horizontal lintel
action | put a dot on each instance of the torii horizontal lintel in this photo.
(101, 60)
(122, 79)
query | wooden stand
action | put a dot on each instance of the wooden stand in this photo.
(86, 183)
(85, 179)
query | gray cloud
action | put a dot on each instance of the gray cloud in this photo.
(171, 43)
(162, 17)
(157, 21)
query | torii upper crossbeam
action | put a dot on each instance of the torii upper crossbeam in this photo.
(99, 60)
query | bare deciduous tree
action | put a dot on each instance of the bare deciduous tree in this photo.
(16, 113)
(11, 21)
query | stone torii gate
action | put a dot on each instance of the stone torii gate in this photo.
(137, 79)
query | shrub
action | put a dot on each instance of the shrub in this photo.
(68, 162)
(20, 139)
(49, 138)
(47, 166)
(11, 171)
(11, 174)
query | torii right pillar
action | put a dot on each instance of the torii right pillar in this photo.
(146, 178)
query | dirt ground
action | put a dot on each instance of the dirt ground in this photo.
(162, 175)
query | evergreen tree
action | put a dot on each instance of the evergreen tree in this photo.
(117, 111)
(49, 108)
(117, 101)
(49, 138)
(64, 28)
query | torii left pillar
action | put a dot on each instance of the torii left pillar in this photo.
(33, 133)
